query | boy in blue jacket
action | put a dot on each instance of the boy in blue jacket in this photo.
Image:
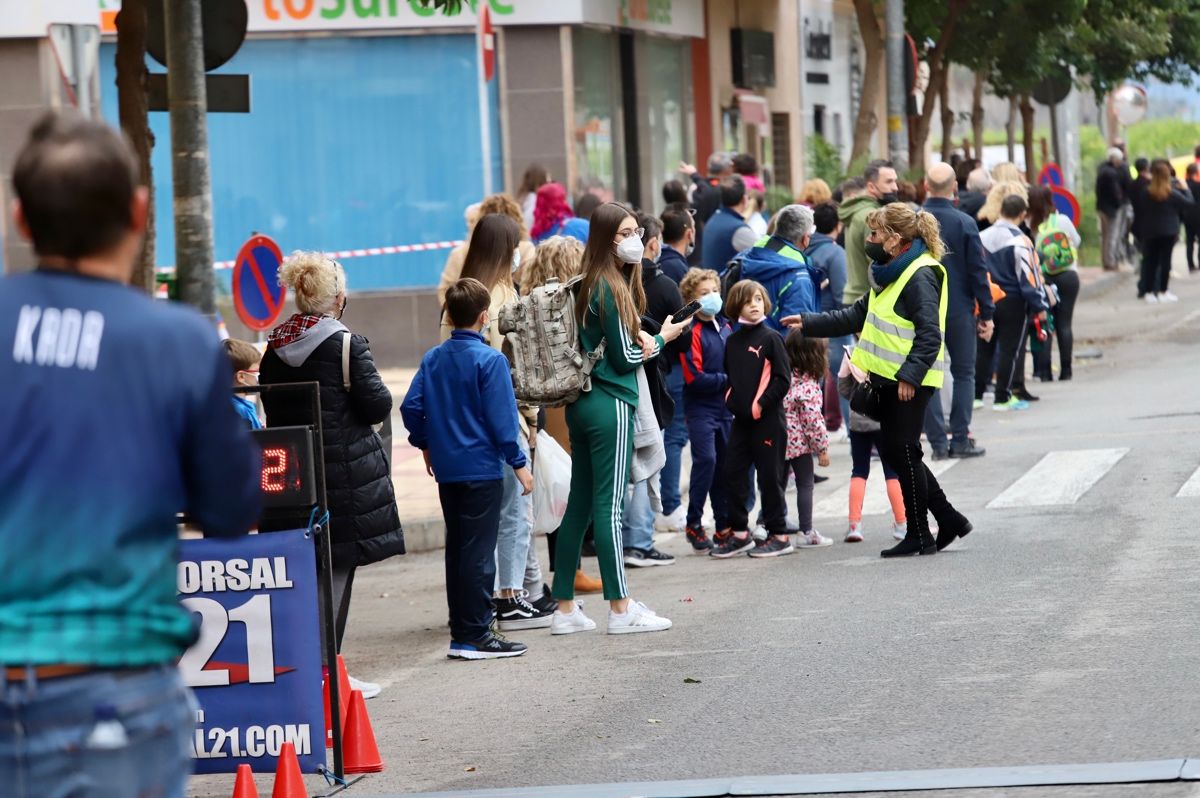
(461, 413)
(701, 353)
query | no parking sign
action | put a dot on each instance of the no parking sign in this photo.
(257, 295)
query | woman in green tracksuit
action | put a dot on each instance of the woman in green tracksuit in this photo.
(609, 307)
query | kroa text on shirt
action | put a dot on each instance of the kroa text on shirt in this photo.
(64, 338)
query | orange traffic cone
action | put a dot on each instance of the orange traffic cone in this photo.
(343, 701)
(243, 785)
(343, 688)
(359, 751)
(288, 781)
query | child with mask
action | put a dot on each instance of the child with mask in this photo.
(246, 359)
(700, 352)
(759, 375)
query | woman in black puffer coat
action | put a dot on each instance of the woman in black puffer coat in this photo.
(364, 523)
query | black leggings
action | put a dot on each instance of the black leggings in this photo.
(1008, 341)
(1067, 284)
(1156, 265)
(900, 445)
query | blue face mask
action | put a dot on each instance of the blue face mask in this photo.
(710, 304)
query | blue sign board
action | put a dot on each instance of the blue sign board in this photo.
(256, 667)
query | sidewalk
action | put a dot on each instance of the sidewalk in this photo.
(416, 492)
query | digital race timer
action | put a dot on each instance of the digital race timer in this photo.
(288, 476)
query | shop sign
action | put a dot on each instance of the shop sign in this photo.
(678, 17)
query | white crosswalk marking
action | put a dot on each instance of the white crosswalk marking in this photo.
(1191, 488)
(1059, 478)
(835, 505)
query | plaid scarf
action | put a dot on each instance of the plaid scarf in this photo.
(292, 329)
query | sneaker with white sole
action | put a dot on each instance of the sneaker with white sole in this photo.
(899, 530)
(637, 618)
(812, 539)
(1149, 299)
(516, 613)
(854, 533)
(1167, 296)
(636, 558)
(673, 522)
(490, 646)
(576, 621)
(368, 689)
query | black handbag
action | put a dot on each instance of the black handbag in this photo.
(865, 400)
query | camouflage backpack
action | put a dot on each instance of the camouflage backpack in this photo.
(541, 342)
(1055, 250)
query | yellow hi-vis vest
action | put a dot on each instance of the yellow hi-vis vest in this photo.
(887, 337)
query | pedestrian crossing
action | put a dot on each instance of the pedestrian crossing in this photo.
(1191, 488)
(876, 500)
(1057, 479)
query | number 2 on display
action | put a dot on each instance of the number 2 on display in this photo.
(274, 469)
(255, 614)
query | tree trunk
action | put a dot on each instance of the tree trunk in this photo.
(1010, 130)
(132, 108)
(1027, 136)
(873, 49)
(947, 116)
(977, 115)
(937, 73)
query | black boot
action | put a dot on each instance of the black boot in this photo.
(959, 527)
(913, 544)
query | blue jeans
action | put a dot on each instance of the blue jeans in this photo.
(637, 521)
(45, 726)
(516, 522)
(960, 349)
(836, 354)
(675, 437)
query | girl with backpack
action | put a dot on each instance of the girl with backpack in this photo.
(608, 309)
(1057, 242)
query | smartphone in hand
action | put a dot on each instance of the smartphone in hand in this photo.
(686, 312)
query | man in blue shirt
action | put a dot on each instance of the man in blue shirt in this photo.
(967, 283)
(726, 232)
(115, 415)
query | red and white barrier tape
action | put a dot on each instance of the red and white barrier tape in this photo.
(399, 249)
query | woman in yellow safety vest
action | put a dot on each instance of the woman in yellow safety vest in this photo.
(900, 325)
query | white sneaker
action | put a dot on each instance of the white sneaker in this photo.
(812, 539)
(637, 618)
(576, 621)
(675, 522)
(840, 435)
(899, 531)
(1167, 296)
(1150, 299)
(368, 689)
(854, 535)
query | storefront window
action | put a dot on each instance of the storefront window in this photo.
(666, 114)
(598, 140)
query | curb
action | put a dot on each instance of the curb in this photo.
(424, 534)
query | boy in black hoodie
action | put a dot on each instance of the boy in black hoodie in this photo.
(759, 377)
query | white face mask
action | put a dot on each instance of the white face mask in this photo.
(631, 250)
(516, 259)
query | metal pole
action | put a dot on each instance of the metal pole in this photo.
(188, 104)
(897, 88)
(485, 121)
(1055, 145)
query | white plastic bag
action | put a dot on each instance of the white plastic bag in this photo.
(551, 484)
